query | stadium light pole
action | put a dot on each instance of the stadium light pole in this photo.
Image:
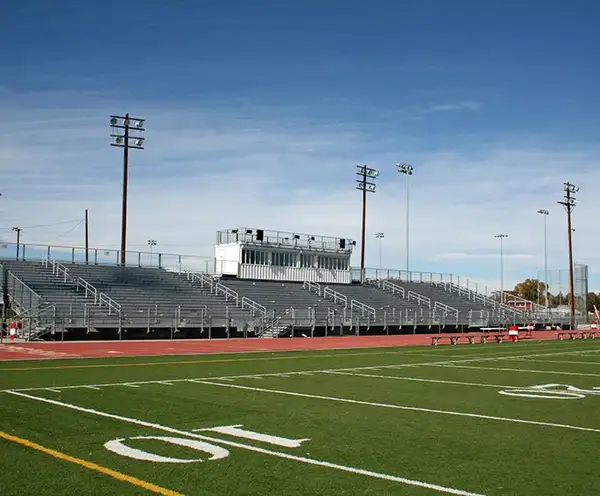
(366, 186)
(126, 133)
(151, 243)
(569, 203)
(407, 170)
(501, 238)
(18, 231)
(545, 214)
(380, 236)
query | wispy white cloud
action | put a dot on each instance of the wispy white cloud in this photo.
(208, 167)
(484, 256)
(450, 107)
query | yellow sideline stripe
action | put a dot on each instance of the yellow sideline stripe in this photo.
(91, 466)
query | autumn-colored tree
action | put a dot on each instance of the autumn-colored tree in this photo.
(593, 299)
(529, 289)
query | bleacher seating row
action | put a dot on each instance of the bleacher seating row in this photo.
(110, 296)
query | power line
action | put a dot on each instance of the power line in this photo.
(44, 225)
(65, 233)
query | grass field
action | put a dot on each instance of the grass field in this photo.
(465, 420)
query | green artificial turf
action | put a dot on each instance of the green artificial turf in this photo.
(414, 416)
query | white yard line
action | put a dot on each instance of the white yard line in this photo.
(419, 379)
(460, 359)
(560, 361)
(402, 407)
(503, 369)
(309, 461)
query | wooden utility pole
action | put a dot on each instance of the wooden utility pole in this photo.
(365, 186)
(122, 134)
(569, 203)
(87, 237)
(18, 231)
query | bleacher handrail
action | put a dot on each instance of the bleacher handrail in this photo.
(362, 308)
(59, 270)
(100, 298)
(312, 286)
(475, 296)
(335, 296)
(445, 308)
(421, 300)
(36, 302)
(203, 310)
(253, 305)
(393, 288)
(110, 303)
(20, 281)
(228, 292)
(192, 276)
(486, 299)
(88, 288)
(535, 307)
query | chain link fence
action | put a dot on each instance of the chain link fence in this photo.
(559, 290)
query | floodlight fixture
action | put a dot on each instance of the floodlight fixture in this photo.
(363, 170)
(379, 235)
(571, 188)
(368, 187)
(405, 169)
(543, 211)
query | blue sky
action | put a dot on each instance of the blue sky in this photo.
(257, 113)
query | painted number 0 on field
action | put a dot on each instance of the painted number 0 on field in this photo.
(119, 447)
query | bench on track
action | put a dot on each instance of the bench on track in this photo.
(453, 338)
(498, 336)
(578, 333)
(471, 338)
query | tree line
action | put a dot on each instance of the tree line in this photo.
(532, 289)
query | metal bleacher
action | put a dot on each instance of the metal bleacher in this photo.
(467, 302)
(99, 298)
(381, 307)
(293, 299)
(159, 297)
(37, 290)
(435, 293)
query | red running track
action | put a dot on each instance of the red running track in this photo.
(100, 349)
